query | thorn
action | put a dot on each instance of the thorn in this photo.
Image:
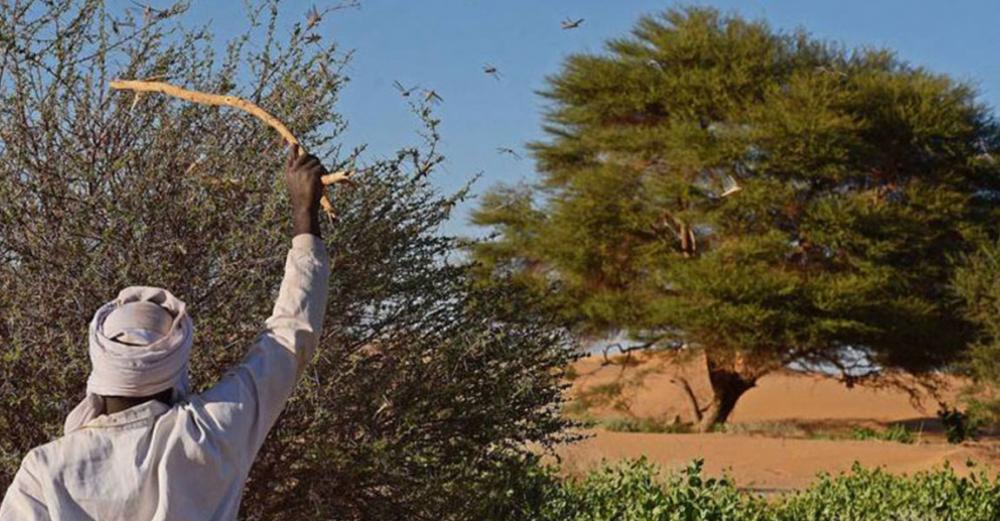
(313, 17)
(432, 97)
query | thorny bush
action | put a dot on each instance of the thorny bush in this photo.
(425, 390)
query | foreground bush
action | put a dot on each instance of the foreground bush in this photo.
(424, 390)
(634, 491)
(873, 495)
(637, 491)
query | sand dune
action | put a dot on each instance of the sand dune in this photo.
(651, 390)
(774, 459)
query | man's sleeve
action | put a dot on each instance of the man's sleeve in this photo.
(244, 405)
(24, 501)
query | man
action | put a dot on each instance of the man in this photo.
(139, 447)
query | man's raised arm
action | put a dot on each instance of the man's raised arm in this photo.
(244, 405)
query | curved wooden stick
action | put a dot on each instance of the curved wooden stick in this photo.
(219, 100)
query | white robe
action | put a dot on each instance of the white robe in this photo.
(190, 461)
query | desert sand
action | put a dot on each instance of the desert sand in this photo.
(783, 415)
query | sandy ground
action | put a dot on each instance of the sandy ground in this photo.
(776, 458)
(770, 464)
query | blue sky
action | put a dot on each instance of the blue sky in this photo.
(444, 44)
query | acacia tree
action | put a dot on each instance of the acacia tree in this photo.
(763, 197)
(425, 390)
(977, 281)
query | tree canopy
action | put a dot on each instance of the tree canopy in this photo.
(762, 196)
(977, 281)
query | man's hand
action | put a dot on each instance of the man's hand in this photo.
(302, 174)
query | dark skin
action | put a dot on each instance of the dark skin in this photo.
(302, 177)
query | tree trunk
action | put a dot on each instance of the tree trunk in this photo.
(728, 384)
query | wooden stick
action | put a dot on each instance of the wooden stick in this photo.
(337, 177)
(202, 98)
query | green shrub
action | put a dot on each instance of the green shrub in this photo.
(576, 409)
(636, 490)
(874, 495)
(645, 425)
(522, 490)
(775, 429)
(864, 433)
(896, 432)
(958, 425)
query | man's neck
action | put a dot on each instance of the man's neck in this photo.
(113, 404)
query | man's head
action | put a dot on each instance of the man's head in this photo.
(137, 324)
(139, 347)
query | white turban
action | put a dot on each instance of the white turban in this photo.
(139, 346)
